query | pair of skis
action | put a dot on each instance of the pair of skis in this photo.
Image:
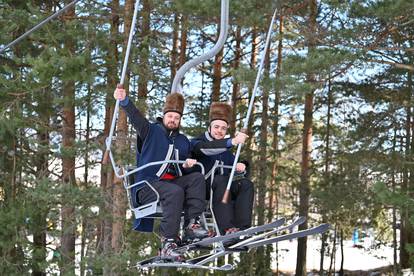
(257, 236)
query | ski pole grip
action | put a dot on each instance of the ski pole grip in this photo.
(244, 130)
(105, 157)
(226, 195)
(120, 86)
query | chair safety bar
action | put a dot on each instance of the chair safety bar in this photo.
(119, 175)
(152, 207)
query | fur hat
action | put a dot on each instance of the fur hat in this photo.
(220, 111)
(175, 103)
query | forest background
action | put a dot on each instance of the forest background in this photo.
(331, 136)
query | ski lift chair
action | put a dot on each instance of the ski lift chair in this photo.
(142, 212)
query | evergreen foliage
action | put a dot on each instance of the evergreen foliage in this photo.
(362, 67)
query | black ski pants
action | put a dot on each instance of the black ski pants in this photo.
(185, 193)
(238, 211)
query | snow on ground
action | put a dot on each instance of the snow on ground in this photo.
(354, 258)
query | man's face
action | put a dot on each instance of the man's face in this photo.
(171, 120)
(218, 129)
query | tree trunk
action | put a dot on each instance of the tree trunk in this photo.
(215, 95)
(68, 162)
(105, 227)
(410, 188)
(263, 259)
(236, 85)
(341, 270)
(40, 224)
(85, 177)
(183, 44)
(247, 268)
(395, 269)
(11, 180)
(119, 204)
(333, 253)
(174, 50)
(326, 180)
(304, 186)
(144, 47)
(405, 186)
(275, 141)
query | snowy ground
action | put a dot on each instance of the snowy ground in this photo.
(354, 258)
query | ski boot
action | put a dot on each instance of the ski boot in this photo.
(232, 241)
(194, 231)
(168, 251)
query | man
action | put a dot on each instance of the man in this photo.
(163, 141)
(212, 147)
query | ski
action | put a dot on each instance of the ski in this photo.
(225, 267)
(246, 247)
(295, 235)
(204, 243)
(200, 258)
(201, 262)
(239, 247)
(296, 222)
(248, 231)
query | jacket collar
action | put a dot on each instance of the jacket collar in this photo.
(208, 136)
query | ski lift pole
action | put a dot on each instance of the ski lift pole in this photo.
(249, 111)
(224, 26)
(56, 14)
(120, 85)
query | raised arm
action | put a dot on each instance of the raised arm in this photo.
(140, 123)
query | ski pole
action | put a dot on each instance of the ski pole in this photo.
(121, 84)
(56, 14)
(249, 111)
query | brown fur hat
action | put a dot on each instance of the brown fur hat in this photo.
(174, 102)
(220, 111)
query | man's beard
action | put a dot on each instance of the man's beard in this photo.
(171, 128)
